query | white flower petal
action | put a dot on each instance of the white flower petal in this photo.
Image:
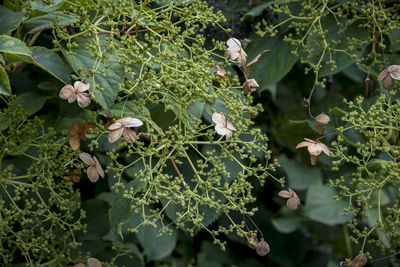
(284, 194)
(85, 157)
(228, 135)
(68, 92)
(98, 167)
(131, 122)
(92, 174)
(81, 87)
(83, 100)
(221, 130)
(218, 119)
(93, 262)
(230, 126)
(115, 125)
(394, 71)
(114, 135)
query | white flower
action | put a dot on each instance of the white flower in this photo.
(122, 126)
(235, 51)
(76, 93)
(222, 126)
(94, 169)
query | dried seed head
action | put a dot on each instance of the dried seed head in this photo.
(262, 248)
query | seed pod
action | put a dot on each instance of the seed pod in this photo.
(262, 248)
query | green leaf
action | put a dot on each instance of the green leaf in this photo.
(9, 20)
(257, 9)
(274, 65)
(286, 225)
(13, 45)
(39, 5)
(96, 219)
(394, 36)
(51, 63)
(5, 88)
(195, 111)
(31, 102)
(47, 21)
(155, 246)
(321, 207)
(104, 84)
(300, 176)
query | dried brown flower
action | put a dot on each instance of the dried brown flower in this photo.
(249, 84)
(293, 201)
(122, 126)
(74, 176)
(315, 148)
(220, 71)
(386, 76)
(91, 262)
(78, 133)
(359, 261)
(77, 92)
(319, 120)
(262, 248)
(94, 169)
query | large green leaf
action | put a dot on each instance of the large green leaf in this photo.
(321, 207)
(13, 45)
(9, 20)
(155, 246)
(52, 63)
(5, 88)
(273, 66)
(48, 20)
(41, 6)
(96, 219)
(300, 176)
(104, 84)
(31, 102)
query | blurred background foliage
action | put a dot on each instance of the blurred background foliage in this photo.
(314, 235)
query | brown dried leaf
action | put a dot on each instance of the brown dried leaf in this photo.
(359, 261)
(249, 66)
